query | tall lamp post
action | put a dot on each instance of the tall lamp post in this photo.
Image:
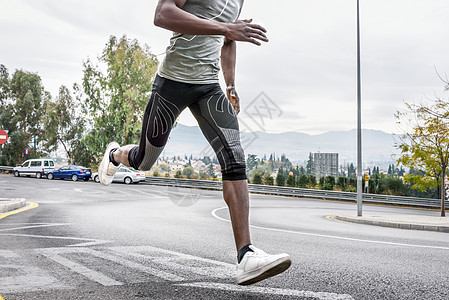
(359, 120)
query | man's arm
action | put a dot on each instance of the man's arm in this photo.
(228, 59)
(169, 15)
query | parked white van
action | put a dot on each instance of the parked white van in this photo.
(38, 167)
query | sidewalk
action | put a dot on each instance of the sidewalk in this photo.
(7, 205)
(414, 222)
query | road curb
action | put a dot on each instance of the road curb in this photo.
(400, 225)
(7, 205)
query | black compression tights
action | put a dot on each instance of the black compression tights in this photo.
(214, 113)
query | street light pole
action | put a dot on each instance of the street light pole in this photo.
(359, 120)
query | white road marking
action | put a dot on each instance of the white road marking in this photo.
(78, 268)
(267, 290)
(78, 190)
(23, 278)
(89, 243)
(35, 226)
(214, 214)
(160, 263)
(177, 261)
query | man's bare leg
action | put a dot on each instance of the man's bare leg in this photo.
(236, 196)
(121, 154)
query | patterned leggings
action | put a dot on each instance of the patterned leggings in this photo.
(214, 113)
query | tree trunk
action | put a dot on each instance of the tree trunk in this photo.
(443, 192)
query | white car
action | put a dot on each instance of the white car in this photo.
(37, 167)
(124, 174)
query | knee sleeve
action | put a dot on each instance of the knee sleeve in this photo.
(219, 124)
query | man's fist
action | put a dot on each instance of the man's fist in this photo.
(233, 97)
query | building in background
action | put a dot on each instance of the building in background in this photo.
(325, 164)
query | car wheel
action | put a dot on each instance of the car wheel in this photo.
(16, 173)
(75, 177)
(50, 176)
(128, 180)
(38, 175)
(97, 179)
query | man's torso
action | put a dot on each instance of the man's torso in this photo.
(196, 59)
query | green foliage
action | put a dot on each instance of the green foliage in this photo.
(280, 179)
(178, 174)
(64, 126)
(22, 107)
(302, 181)
(257, 179)
(311, 181)
(268, 179)
(188, 172)
(116, 98)
(424, 144)
(291, 182)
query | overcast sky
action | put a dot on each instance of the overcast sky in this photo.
(308, 68)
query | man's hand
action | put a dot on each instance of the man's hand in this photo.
(233, 97)
(244, 31)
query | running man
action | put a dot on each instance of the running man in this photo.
(204, 32)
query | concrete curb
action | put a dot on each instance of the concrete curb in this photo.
(7, 205)
(393, 224)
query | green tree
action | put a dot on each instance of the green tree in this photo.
(424, 145)
(309, 166)
(188, 172)
(268, 179)
(257, 179)
(302, 181)
(280, 179)
(311, 181)
(211, 170)
(22, 103)
(291, 182)
(115, 98)
(63, 125)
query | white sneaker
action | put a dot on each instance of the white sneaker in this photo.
(258, 265)
(107, 170)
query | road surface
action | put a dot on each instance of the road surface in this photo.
(86, 241)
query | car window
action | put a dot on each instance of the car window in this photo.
(26, 164)
(73, 168)
(121, 170)
(45, 163)
(64, 168)
(51, 163)
(36, 163)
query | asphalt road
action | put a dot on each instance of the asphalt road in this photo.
(86, 241)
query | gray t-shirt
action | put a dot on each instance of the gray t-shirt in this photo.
(196, 59)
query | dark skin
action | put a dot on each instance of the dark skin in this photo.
(169, 15)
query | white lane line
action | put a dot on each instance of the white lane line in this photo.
(89, 243)
(176, 261)
(35, 226)
(267, 290)
(214, 214)
(78, 190)
(91, 274)
(134, 265)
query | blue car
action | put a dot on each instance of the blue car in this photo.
(70, 172)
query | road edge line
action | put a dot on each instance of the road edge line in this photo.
(30, 205)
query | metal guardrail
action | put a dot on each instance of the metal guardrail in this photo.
(300, 192)
(5, 168)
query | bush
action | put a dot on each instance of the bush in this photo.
(302, 181)
(268, 179)
(280, 179)
(188, 172)
(257, 179)
(291, 181)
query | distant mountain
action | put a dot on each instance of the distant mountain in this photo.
(377, 146)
